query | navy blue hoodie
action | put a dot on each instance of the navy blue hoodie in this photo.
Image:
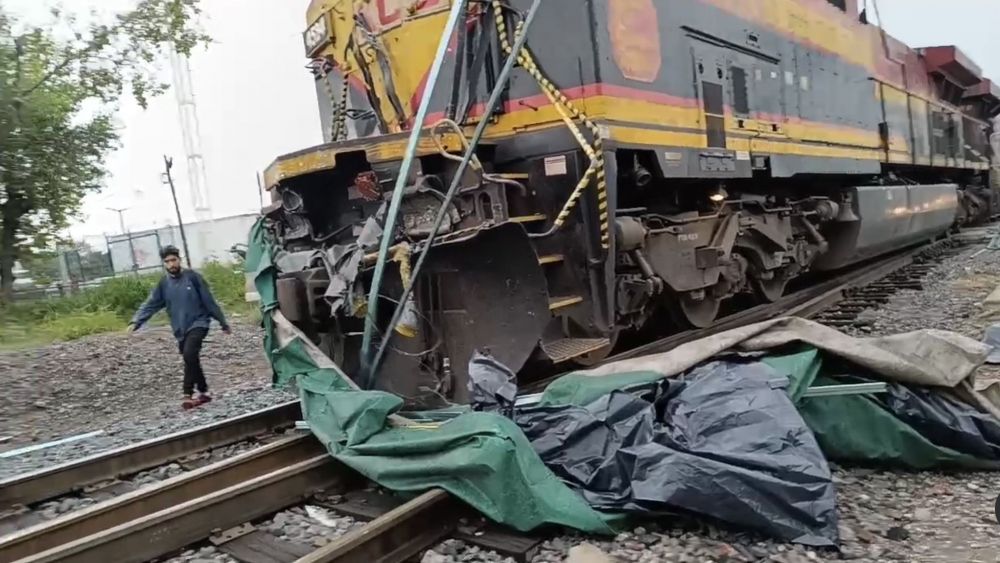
(188, 301)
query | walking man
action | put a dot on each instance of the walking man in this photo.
(191, 308)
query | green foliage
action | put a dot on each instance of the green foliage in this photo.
(57, 101)
(109, 307)
(227, 282)
(58, 329)
(42, 266)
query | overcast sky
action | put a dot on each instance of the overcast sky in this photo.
(256, 100)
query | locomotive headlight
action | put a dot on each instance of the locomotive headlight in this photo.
(316, 35)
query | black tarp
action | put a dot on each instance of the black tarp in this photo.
(492, 385)
(722, 441)
(945, 421)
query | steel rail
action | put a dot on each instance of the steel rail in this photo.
(399, 534)
(55, 481)
(171, 529)
(148, 500)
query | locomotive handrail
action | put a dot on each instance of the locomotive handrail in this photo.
(457, 9)
(370, 374)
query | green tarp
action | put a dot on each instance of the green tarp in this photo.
(485, 459)
(857, 428)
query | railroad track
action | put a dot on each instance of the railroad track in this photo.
(221, 502)
(37, 486)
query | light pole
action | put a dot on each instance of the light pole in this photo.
(121, 216)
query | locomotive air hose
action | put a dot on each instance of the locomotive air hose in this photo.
(475, 163)
(563, 105)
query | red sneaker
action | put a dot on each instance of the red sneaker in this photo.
(204, 398)
(188, 403)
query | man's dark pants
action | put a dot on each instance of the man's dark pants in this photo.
(190, 348)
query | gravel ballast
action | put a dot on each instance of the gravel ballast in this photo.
(130, 389)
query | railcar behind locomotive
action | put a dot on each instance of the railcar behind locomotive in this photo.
(649, 161)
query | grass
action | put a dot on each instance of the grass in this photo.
(109, 307)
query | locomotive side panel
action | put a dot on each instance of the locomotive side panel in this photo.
(732, 79)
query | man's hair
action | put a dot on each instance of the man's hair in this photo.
(169, 250)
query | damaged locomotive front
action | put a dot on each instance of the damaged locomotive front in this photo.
(608, 197)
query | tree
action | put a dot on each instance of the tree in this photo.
(59, 89)
(42, 265)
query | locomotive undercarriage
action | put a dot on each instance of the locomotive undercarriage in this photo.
(501, 280)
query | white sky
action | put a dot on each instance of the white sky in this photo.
(256, 100)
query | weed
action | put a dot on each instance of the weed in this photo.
(109, 307)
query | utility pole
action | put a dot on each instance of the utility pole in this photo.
(191, 134)
(169, 162)
(131, 245)
(260, 192)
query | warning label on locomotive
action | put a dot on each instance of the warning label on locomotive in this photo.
(555, 166)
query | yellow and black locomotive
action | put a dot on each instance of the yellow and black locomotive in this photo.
(648, 160)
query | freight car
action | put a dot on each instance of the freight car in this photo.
(649, 160)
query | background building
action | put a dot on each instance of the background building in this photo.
(207, 241)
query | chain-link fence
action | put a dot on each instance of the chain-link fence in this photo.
(62, 273)
(134, 253)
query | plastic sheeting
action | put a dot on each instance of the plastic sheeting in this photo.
(875, 429)
(744, 448)
(945, 421)
(992, 339)
(492, 386)
(721, 441)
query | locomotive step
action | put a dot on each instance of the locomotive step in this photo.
(528, 218)
(556, 303)
(551, 259)
(568, 348)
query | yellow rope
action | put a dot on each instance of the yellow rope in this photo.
(568, 111)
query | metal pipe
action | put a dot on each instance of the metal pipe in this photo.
(397, 195)
(816, 236)
(491, 104)
(643, 263)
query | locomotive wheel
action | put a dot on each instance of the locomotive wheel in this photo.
(770, 290)
(693, 313)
